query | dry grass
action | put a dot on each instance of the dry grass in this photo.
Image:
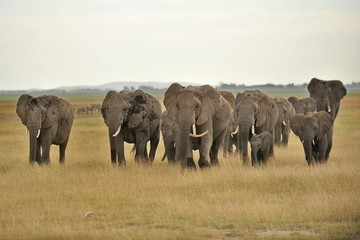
(284, 200)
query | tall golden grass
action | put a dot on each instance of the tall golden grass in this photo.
(284, 200)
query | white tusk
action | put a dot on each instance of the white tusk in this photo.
(313, 142)
(199, 135)
(302, 141)
(236, 131)
(328, 108)
(117, 131)
(253, 129)
(284, 123)
(194, 129)
(38, 134)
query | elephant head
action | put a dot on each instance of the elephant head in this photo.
(37, 113)
(311, 129)
(123, 108)
(255, 112)
(327, 95)
(189, 107)
(303, 105)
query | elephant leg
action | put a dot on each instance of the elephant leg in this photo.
(154, 142)
(214, 150)
(204, 150)
(285, 135)
(323, 145)
(119, 142)
(62, 149)
(278, 132)
(328, 149)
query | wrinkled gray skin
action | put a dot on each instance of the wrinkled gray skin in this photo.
(282, 127)
(254, 108)
(138, 115)
(209, 111)
(168, 137)
(327, 95)
(260, 148)
(303, 105)
(315, 131)
(50, 115)
(229, 139)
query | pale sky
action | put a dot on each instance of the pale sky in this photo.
(52, 43)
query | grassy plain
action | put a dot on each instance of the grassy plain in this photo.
(284, 200)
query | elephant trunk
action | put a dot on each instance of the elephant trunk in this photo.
(34, 132)
(182, 146)
(307, 143)
(243, 140)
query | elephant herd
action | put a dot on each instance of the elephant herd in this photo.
(196, 118)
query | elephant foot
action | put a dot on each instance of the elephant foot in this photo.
(190, 164)
(204, 164)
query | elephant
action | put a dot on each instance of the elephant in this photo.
(282, 127)
(260, 148)
(200, 110)
(255, 112)
(327, 95)
(303, 105)
(168, 137)
(49, 120)
(229, 139)
(133, 117)
(315, 131)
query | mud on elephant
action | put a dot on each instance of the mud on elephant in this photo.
(49, 120)
(200, 117)
(133, 117)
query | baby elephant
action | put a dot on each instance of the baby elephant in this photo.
(260, 146)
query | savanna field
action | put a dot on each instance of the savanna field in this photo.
(286, 199)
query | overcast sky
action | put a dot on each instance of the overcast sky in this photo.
(47, 43)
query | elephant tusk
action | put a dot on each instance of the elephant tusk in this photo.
(253, 129)
(117, 131)
(328, 108)
(194, 129)
(313, 142)
(284, 123)
(199, 135)
(235, 132)
(38, 134)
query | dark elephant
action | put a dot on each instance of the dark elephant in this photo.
(168, 137)
(255, 112)
(229, 139)
(200, 110)
(327, 95)
(315, 131)
(282, 127)
(303, 105)
(133, 117)
(260, 148)
(49, 120)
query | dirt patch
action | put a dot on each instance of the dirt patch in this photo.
(268, 233)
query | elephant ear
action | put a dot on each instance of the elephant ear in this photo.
(52, 108)
(338, 89)
(21, 107)
(238, 98)
(325, 123)
(210, 98)
(312, 86)
(137, 111)
(292, 100)
(170, 97)
(266, 108)
(295, 125)
(105, 103)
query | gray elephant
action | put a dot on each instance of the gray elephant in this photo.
(260, 148)
(255, 113)
(315, 131)
(168, 137)
(203, 111)
(282, 127)
(327, 95)
(133, 117)
(49, 120)
(303, 105)
(229, 139)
